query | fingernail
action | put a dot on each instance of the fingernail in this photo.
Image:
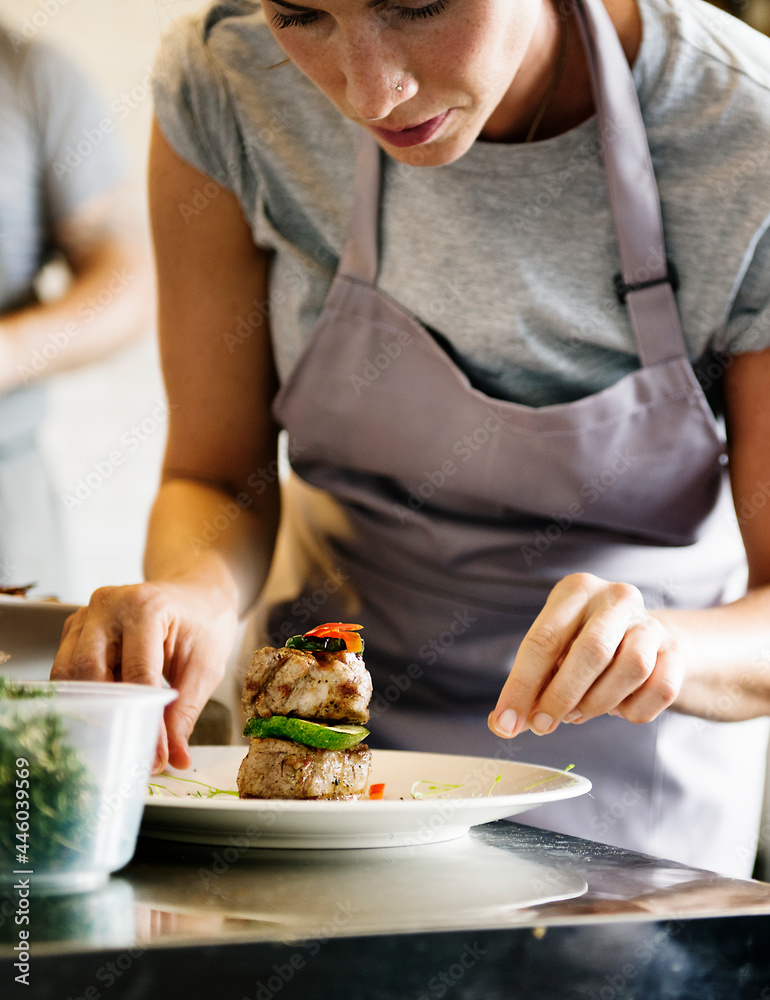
(573, 716)
(505, 723)
(616, 713)
(541, 723)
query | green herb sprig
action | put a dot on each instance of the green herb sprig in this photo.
(61, 797)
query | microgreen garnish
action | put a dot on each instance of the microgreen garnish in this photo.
(198, 794)
(434, 788)
(497, 779)
(552, 778)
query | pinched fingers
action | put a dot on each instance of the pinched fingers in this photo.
(660, 690)
(592, 646)
(636, 666)
(542, 650)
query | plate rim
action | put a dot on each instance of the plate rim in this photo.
(580, 785)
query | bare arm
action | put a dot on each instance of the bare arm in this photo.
(213, 524)
(220, 388)
(728, 648)
(107, 304)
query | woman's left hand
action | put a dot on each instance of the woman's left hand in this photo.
(593, 649)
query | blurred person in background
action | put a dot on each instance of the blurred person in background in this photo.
(62, 197)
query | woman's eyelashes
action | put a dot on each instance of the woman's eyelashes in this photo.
(413, 13)
(300, 19)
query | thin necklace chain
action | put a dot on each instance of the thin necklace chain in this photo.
(558, 73)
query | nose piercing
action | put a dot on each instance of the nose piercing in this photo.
(399, 88)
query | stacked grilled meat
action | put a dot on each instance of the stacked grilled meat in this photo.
(317, 686)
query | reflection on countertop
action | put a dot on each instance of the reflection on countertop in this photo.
(557, 916)
(501, 875)
(319, 894)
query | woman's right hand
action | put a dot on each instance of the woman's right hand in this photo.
(178, 630)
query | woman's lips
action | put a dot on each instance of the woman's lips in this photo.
(413, 136)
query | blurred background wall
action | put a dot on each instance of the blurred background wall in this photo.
(117, 405)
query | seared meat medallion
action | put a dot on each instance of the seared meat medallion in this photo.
(281, 769)
(316, 678)
(309, 685)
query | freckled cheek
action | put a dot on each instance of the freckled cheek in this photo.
(478, 58)
(321, 72)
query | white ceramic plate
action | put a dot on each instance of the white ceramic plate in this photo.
(458, 793)
(30, 631)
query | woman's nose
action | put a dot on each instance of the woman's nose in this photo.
(375, 84)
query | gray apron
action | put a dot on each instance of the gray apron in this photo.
(440, 518)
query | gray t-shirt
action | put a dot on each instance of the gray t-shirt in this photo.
(508, 255)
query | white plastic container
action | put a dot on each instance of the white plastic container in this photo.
(74, 768)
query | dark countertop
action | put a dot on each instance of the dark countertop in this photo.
(508, 911)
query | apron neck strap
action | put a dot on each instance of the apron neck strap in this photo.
(360, 257)
(645, 280)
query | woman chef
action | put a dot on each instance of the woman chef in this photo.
(498, 268)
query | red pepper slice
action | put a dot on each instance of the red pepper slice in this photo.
(341, 626)
(377, 791)
(340, 630)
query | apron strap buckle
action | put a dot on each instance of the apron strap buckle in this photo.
(623, 288)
